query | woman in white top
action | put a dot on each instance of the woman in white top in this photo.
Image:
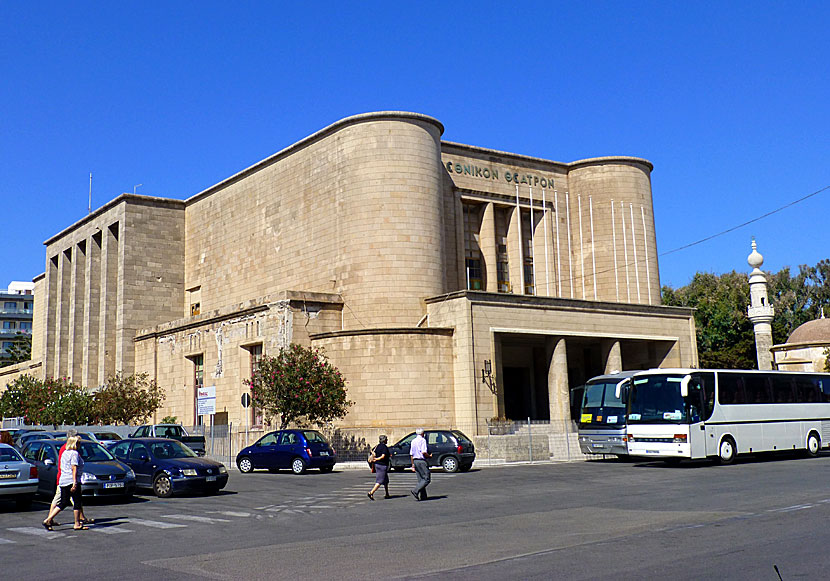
(70, 484)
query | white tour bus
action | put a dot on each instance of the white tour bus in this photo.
(602, 415)
(700, 413)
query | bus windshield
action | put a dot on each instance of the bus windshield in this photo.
(656, 399)
(601, 407)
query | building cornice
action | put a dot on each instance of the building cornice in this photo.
(565, 166)
(313, 138)
(385, 331)
(123, 198)
(511, 300)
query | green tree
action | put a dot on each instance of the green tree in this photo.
(125, 399)
(53, 401)
(20, 350)
(299, 384)
(725, 336)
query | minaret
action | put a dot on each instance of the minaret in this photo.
(760, 311)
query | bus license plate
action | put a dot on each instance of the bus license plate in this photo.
(210, 479)
(113, 485)
(652, 451)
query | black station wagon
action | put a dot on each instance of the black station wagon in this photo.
(450, 449)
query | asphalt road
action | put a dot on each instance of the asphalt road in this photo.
(596, 520)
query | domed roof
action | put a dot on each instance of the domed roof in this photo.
(816, 331)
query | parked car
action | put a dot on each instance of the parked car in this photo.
(62, 436)
(24, 439)
(107, 439)
(294, 449)
(450, 449)
(174, 432)
(18, 478)
(102, 474)
(167, 466)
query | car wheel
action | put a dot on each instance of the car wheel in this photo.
(449, 464)
(245, 465)
(326, 469)
(726, 451)
(813, 445)
(162, 486)
(298, 466)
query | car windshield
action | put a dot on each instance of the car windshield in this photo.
(312, 436)
(93, 452)
(172, 449)
(601, 406)
(9, 455)
(107, 436)
(655, 399)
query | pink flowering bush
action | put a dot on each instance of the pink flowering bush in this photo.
(299, 384)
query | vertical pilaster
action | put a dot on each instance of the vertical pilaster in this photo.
(459, 248)
(62, 318)
(92, 297)
(515, 253)
(558, 389)
(50, 326)
(77, 314)
(613, 356)
(487, 242)
(109, 302)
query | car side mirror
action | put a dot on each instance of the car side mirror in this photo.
(48, 462)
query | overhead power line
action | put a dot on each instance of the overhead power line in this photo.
(748, 222)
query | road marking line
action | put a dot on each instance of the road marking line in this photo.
(111, 530)
(230, 513)
(6, 541)
(791, 508)
(37, 532)
(194, 518)
(154, 523)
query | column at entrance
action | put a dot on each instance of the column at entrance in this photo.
(558, 388)
(613, 356)
(487, 243)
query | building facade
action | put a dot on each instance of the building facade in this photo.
(16, 315)
(450, 284)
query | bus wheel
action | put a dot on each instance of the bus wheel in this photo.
(813, 445)
(726, 451)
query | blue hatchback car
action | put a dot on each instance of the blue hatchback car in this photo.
(168, 466)
(294, 449)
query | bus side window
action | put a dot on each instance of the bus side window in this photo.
(707, 384)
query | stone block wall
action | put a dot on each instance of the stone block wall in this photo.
(396, 377)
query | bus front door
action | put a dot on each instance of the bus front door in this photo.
(697, 440)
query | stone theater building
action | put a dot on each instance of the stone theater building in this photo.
(450, 284)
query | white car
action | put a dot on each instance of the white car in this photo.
(18, 478)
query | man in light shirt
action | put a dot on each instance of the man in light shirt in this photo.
(418, 452)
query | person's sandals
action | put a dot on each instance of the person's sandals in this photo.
(370, 495)
(87, 521)
(81, 528)
(48, 526)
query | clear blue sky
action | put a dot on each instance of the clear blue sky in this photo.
(729, 100)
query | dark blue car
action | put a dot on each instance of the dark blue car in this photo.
(168, 466)
(294, 449)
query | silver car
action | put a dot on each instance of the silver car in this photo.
(18, 478)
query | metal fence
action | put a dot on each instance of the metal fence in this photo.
(528, 441)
